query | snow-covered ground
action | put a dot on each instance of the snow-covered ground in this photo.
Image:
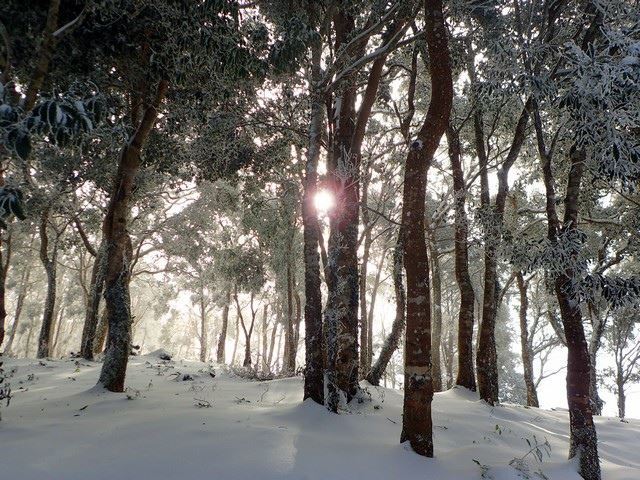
(60, 427)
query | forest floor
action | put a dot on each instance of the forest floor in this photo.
(176, 421)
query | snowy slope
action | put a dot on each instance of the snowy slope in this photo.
(60, 427)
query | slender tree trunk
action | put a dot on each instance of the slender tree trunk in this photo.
(465, 377)
(598, 326)
(622, 399)
(22, 295)
(392, 342)
(4, 270)
(265, 347)
(436, 332)
(416, 421)
(525, 343)
(222, 340)
(289, 360)
(272, 344)
(204, 340)
(235, 340)
(119, 250)
(101, 332)
(50, 267)
(583, 440)
(365, 353)
(93, 303)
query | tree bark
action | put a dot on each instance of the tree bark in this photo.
(4, 270)
(392, 342)
(365, 353)
(583, 438)
(289, 360)
(416, 421)
(341, 312)
(436, 332)
(93, 303)
(119, 250)
(525, 342)
(101, 332)
(222, 339)
(204, 334)
(22, 295)
(50, 267)
(465, 377)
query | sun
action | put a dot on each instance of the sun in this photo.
(324, 201)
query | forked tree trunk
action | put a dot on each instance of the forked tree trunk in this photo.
(392, 342)
(93, 303)
(222, 339)
(465, 377)
(418, 384)
(583, 438)
(525, 343)
(344, 172)
(119, 250)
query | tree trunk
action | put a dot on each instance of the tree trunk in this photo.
(365, 353)
(204, 340)
(416, 420)
(525, 343)
(119, 250)
(465, 377)
(343, 172)
(289, 360)
(598, 326)
(4, 269)
(101, 332)
(22, 295)
(264, 352)
(50, 267)
(436, 332)
(222, 340)
(622, 399)
(583, 441)
(393, 340)
(93, 304)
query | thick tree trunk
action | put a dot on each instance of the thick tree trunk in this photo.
(392, 342)
(222, 339)
(119, 252)
(525, 343)
(344, 171)
(93, 303)
(436, 331)
(416, 421)
(465, 377)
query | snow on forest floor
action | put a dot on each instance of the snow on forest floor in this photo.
(60, 427)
